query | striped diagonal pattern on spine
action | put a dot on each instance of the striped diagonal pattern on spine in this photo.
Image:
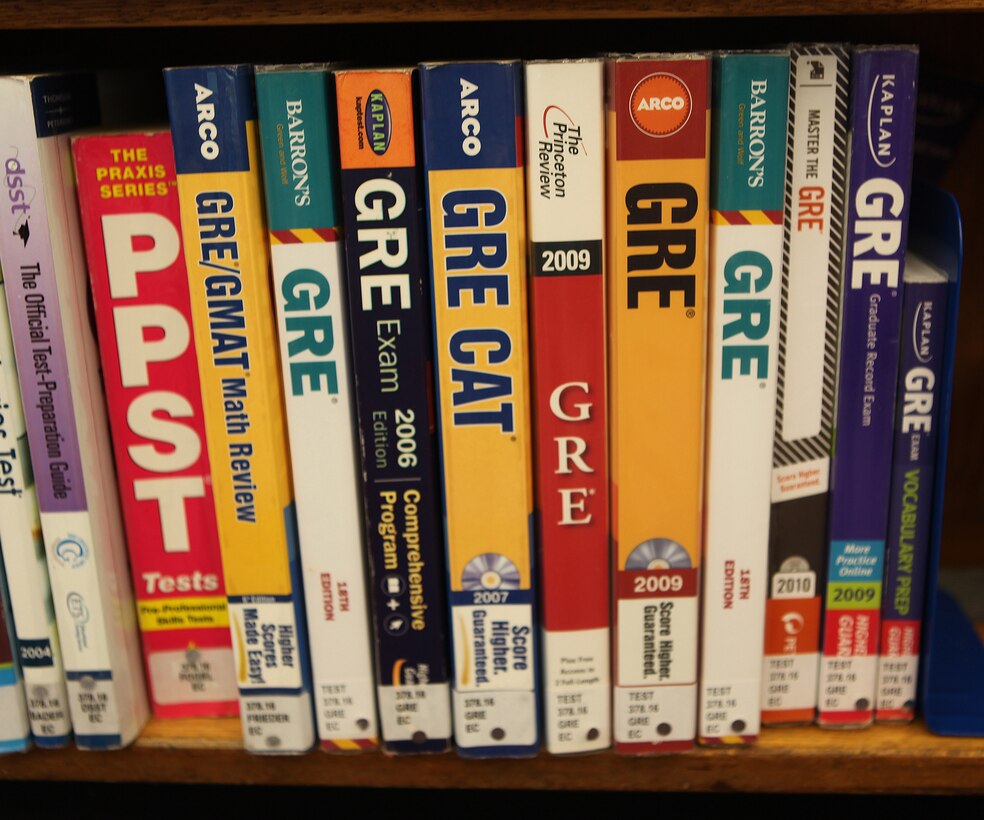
(300, 235)
(746, 217)
(781, 455)
(350, 745)
(818, 446)
(838, 193)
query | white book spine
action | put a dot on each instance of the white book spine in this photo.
(816, 141)
(741, 421)
(23, 557)
(324, 454)
(66, 420)
(748, 185)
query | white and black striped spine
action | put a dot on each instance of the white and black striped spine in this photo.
(798, 524)
(809, 325)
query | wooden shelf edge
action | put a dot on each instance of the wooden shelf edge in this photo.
(25, 14)
(883, 759)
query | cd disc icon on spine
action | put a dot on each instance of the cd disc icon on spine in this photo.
(795, 563)
(489, 571)
(658, 553)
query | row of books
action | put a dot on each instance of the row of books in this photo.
(673, 381)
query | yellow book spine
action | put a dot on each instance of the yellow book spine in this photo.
(228, 262)
(235, 340)
(478, 254)
(658, 228)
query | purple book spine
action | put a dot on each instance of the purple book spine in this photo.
(882, 122)
(35, 310)
(913, 476)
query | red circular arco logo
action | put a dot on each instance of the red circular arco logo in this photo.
(660, 105)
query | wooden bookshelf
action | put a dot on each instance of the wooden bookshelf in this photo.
(880, 760)
(884, 759)
(28, 14)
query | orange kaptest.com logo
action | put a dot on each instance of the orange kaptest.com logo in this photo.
(660, 105)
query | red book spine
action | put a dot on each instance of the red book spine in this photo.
(131, 222)
(565, 112)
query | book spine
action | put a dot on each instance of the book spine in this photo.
(913, 475)
(391, 340)
(213, 123)
(946, 694)
(658, 201)
(68, 436)
(131, 222)
(882, 125)
(566, 197)
(472, 125)
(15, 725)
(23, 557)
(297, 137)
(748, 184)
(809, 320)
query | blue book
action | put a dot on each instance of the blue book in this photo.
(390, 325)
(913, 471)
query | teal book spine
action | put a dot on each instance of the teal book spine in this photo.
(748, 176)
(300, 174)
